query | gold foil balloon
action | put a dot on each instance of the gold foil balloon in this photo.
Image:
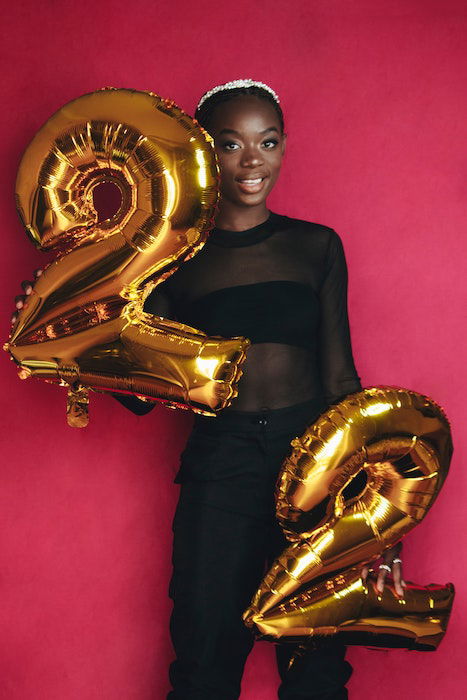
(84, 325)
(361, 477)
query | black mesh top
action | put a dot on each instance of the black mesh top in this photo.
(283, 285)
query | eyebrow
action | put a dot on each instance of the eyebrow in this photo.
(232, 131)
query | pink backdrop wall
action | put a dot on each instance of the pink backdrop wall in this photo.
(375, 102)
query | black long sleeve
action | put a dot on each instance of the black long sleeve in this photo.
(338, 374)
(134, 404)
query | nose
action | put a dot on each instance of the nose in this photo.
(251, 157)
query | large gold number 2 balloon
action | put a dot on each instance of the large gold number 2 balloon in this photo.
(83, 325)
(393, 447)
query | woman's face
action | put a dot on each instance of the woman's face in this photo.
(250, 146)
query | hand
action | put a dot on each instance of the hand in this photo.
(21, 298)
(391, 559)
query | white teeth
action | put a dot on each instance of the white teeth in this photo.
(252, 182)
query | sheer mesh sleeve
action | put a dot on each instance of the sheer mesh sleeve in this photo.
(338, 374)
(159, 302)
(134, 404)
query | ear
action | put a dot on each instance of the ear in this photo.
(284, 141)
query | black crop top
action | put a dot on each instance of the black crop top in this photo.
(283, 285)
(279, 311)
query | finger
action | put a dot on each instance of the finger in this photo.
(364, 573)
(19, 301)
(383, 572)
(13, 318)
(397, 577)
(391, 554)
(37, 273)
(27, 286)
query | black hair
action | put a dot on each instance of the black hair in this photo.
(205, 113)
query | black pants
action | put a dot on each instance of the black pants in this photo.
(225, 537)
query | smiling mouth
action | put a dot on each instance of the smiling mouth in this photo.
(251, 181)
(251, 185)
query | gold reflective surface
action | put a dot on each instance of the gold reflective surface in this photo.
(83, 324)
(358, 479)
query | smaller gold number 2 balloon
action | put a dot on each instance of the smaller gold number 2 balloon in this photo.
(83, 325)
(362, 476)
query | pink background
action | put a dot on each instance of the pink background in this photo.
(374, 94)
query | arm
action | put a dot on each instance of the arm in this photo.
(338, 374)
(157, 303)
(134, 404)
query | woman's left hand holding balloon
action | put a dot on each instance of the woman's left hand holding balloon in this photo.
(390, 561)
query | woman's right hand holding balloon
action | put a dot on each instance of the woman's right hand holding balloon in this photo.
(21, 298)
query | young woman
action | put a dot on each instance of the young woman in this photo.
(281, 282)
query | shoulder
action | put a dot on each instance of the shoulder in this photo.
(318, 235)
(310, 227)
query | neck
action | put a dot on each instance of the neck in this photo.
(233, 218)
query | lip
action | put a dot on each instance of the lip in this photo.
(255, 186)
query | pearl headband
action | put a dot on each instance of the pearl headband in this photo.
(247, 82)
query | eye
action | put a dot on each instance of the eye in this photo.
(270, 143)
(229, 146)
